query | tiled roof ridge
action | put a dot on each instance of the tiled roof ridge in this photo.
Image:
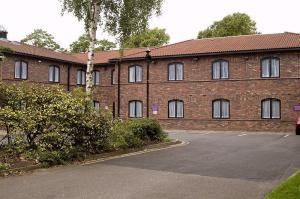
(108, 51)
(32, 46)
(159, 47)
(249, 35)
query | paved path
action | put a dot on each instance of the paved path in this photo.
(212, 166)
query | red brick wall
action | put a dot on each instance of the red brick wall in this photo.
(38, 73)
(245, 90)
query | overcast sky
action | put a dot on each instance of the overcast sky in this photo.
(182, 18)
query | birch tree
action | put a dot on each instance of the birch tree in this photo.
(121, 18)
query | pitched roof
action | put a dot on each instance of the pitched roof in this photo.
(29, 50)
(232, 44)
(104, 56)
(220, 45)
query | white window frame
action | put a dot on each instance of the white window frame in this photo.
(81, 75)
(135, 104)
(52, 76)
(270, 114)
(96, 78)
(178, 73)
(133, 74)
(220, 68)
(176, 110)
(221, 113)
(96, 105)
(23, 70)
(270, 70)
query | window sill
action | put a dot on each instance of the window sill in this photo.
(18, 79)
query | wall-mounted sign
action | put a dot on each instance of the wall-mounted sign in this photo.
(154, 108)
(297, 107)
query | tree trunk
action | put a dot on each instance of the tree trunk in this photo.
(95, 18)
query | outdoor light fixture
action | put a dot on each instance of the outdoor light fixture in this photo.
(148, 56)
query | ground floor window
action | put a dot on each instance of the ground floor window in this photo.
(176, 109)
(96, 105)
(135, 109)
(221, 109)
(271, 108)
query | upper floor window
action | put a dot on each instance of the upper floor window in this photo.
(54, 74)
(135, 73)
(96, 105)
(270, 67)
(81, 77)
(175, 71)
(21, 68)
(270, 108)
(135, 109)
(113, 77)
(221, 109)
(96, 78)
(176, 109)
(220, 69)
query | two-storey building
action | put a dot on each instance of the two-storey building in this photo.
(231, 83)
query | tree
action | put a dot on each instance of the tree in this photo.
(150, 37)
(230, 25)
(121, 18)
(82, 44)
(42, 39)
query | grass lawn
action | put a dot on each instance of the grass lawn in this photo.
(290, 189)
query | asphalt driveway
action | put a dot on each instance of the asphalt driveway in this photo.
(212, 166)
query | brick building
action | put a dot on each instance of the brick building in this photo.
(232, 83)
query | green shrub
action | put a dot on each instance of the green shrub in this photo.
(52, 126)
(135, 133)
(147, 129)
(4, 166)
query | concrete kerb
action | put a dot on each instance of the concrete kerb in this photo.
(107, 156)
(177, 143)
(227, 132)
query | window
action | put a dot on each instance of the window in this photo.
(53, 74)
(135, 109)
(220, 69)
(113, 77)
(96, 105)
(80, 77)
(21, 70)
(270, 109)
(175, 72)
(135, 74)
(221, 109)
(96, 78)
(270, 67)
(176, 109)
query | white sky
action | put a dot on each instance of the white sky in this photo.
(182, 18)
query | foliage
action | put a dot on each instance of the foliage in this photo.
(82, 45)
(150, 37)
(230, 25)
(52, 126)
(290, 189)
(5, 50)
(42, 39)
(52, 123)
(136, 133)
(4, 166)
(122, 18)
